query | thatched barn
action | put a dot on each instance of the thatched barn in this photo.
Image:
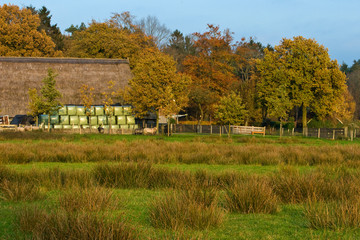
(18, 74)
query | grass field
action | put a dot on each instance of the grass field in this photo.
(70, 186)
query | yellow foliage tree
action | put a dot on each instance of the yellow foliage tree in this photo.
(108, 40)
(156, 86)
(313, 81)
(19, 35)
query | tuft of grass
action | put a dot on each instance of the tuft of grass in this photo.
(194, 209)
(89, 199)
(20, 191)
(334, 215)
(251, 196)
(60, 224)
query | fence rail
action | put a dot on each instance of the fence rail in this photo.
(326, 133)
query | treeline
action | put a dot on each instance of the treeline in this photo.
(207, 75)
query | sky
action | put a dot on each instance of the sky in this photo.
(332, 23)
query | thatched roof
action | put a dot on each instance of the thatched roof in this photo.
(18, 74)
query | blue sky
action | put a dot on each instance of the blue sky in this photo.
(332, 23)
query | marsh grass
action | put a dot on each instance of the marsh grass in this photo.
(252, 196)
(161, 151)
(89, 199)
(187, 209)
(333, 215)
(293, 187)
(60, 224)
(20, 191)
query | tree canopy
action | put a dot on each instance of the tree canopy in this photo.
(313, 81)
(20, 34)
(156, 87)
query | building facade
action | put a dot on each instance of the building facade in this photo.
(18, 74)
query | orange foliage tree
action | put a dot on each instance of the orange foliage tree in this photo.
(211, 68)
(19, 34)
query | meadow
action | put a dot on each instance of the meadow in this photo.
(93, 186)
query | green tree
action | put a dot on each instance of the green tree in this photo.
(313, 81)
(19, 34)
(179, 47)
(51, 30)
(48, 101)
(156, 86)
(72, 29)
(230, 111)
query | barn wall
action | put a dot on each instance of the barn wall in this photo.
(17, 75)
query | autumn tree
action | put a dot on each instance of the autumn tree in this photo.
(108, 39)
(313, 81)
(246, 52)
(87, 99)
(19, 34)
(48, 101)
(230, 111)
(210, 68)
(156, 86)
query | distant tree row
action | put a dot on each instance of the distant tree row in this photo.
(204, 74)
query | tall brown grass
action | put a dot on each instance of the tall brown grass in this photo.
(88, 199)
(194, 209)
(159, 151)
(60, 224)
(19, 191)
(252, 196)
(333, 215)
(293, 187)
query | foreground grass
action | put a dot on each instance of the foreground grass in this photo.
(311, 165)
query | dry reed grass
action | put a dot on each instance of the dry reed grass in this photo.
(20, 191)
(90, 199)
(333, 215)
(252, 196)
(151, 151)
(60, 224)
(193, 209)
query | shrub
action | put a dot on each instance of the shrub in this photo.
(252, 196)
(196, 209)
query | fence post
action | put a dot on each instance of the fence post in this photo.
(318, 132)
(210, 129)
(351, 134)
(333, 138)
(293, 132)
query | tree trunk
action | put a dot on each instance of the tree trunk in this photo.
(281, 127)
(157, 121)
(49, 122)
(90, 122)
(110, 124)
(168, 127)
(229, 133)
(304, 122)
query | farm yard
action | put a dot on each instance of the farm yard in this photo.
(187, 186)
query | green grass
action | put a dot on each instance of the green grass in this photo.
(289, 222)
